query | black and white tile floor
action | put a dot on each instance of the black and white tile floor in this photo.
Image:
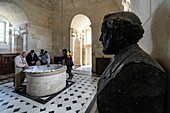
(74, 99)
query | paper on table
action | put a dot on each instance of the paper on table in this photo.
(47, 70)
(27, 70)
(39, 71)
(32, 67)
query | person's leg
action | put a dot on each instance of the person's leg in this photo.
(14, 81)
(69, 72)
(17, 81)
(19, 78)
(22, 77)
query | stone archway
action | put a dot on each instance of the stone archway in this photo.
(17, 27)
(81, 30)
(13, 13)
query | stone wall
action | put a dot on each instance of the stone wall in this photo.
(155, 17)
(94, 10)
(38, 21)
(51, 29)
(39, 26)
(36, 15)
(39, 38)
(13, 15)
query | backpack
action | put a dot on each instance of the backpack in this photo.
(70, 61)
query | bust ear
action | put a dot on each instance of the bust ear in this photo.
(110, 23)
(120, 36)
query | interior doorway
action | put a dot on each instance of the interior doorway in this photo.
(81, 40)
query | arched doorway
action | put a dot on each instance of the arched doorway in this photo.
(15, 29)
(81, 40)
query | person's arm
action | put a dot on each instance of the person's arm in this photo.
(36, 57)
(29, 59)
(26, 63)
(63, 61)
(48, 59)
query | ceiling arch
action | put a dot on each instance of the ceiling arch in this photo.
(56, 4)
(13, 13)
(80, 21)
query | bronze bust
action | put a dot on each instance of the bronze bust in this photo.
(133, 82)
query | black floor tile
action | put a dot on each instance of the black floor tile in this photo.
(68, 108)
(16, 110)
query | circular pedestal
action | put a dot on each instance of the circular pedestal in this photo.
(46, 80)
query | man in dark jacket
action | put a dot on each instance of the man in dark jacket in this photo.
(133, 82)
(32, 58)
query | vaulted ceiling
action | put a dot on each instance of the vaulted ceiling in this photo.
(56, 4)
(47, 4)
(13, 13)
(9, 10)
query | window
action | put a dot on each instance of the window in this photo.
(126, 5)
(88, 38)
(2, 31)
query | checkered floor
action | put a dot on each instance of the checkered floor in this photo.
(75, 99)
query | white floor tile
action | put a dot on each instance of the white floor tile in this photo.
(74, 99)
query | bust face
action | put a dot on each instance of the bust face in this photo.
(120, 30)
(109, 40)
(104, 38)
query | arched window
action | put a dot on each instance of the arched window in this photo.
(2, 31)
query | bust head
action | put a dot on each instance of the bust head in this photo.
(120, 30)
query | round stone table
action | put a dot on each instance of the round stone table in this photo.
(43, 80)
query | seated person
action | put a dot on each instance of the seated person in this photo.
(32, 58)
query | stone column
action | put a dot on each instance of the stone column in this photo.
(10, 41)
(96, 44)
(66, 37)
